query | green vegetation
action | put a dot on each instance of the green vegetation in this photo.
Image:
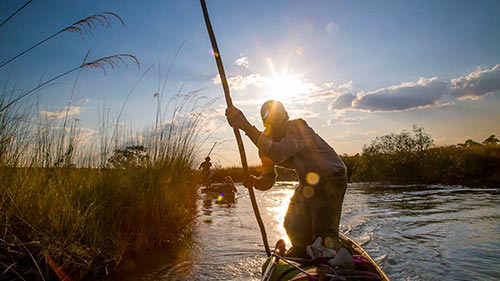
(76, 206)
(87, 220)
(409, 157)
(59, 212)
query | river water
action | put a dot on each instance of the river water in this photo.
(415, 232)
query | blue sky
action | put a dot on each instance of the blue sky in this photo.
(353, 70)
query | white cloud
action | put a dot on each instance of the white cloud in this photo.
(346, 86)
(87, 134)
(62, 113)
(345, 120)
(477, 84)
(302, 113)
(355, 136)
(321, 96)
(342, 102)
(324, 93)
(240, 82)
(421, 94)
(242, 61)
(213, 120)
(425, 93)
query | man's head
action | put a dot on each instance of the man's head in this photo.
(207, 159)
(273, 113)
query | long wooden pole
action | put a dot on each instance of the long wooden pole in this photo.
(237, 134)
(211, 149)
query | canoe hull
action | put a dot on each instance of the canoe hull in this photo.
(276, 268)
(219, 192)
(220, 195)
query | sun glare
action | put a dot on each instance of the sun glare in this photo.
(282, 87)
(278, 212)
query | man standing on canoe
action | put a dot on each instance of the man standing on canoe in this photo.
(207, 175)
(315, 208)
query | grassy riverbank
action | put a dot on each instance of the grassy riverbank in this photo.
(78, 208)
(87, 220)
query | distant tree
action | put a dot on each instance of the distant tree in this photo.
(470, 143)
(405, 142)
(491, 140)
(133, 156)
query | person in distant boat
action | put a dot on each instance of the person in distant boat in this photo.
(315, 208)
(206, 173)
(229, 185)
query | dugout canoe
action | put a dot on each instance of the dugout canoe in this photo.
(219, 191)
(278, 268)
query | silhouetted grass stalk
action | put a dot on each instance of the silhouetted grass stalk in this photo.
(81, 27)
(113, 61)
(15, 13)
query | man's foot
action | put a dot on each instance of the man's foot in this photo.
(280, 247)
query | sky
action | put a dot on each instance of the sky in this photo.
(354, 70)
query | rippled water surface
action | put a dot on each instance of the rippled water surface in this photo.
(416, 232)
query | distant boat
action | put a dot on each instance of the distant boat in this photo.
(221, 191)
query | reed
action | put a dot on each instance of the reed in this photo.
(83, 220)
(15, 13)
(113, 61)
(67, 211)
(82, 27)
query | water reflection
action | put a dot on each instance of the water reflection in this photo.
(173, 263)
(416, 232)
(277, 202)
(223, 202)
(438, 227)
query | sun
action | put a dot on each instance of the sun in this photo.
(282, 87)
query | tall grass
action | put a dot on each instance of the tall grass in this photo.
(64, 208)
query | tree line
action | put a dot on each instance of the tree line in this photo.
(410, 157)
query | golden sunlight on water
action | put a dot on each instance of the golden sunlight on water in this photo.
(278, 212)
(415, 232)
